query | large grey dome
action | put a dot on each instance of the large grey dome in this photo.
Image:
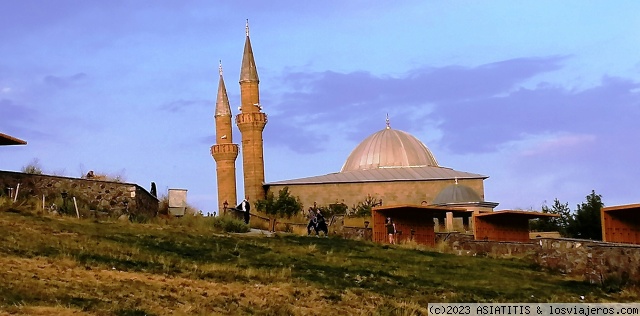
(389, 148)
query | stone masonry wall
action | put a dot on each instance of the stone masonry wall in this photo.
(112, 198)
(391, 192)
(596, 261)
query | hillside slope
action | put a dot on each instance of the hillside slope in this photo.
(62, 265)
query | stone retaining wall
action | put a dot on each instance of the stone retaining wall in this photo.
(358, 233)
(597, 262)
(93, 196)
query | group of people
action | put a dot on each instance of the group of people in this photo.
(317, 221)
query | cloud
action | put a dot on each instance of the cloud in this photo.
(360, 99)
(181, 105)
(12, 113)
(64, 82)
(558, 144)
(482, 124)
(22, 121)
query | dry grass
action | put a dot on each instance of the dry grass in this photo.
(65, 266)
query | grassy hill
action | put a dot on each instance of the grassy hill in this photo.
(65, 266)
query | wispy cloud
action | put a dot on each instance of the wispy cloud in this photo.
(182, 105)
(64, 82)
(454, 94)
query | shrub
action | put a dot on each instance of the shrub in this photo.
(333, 209)
(230, 225)
(364, 207)
(33, 167)
(285, 205)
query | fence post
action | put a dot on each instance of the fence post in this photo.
(76, 205)
(15, 197)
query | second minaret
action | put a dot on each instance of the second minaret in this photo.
(251, 122)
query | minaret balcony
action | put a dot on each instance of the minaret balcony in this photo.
(251, 121)
(224, 152)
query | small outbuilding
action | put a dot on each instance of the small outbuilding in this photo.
(505, 225)
(621, 223)
(413, 222)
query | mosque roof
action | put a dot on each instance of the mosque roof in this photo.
(389, 148)
(458, 195)
(387, 155)
(385, 175)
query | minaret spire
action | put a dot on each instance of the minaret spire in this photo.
(248, 71)
(222, 101)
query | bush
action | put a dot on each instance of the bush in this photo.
(364, 207)
(285, 205)
(33, 167)
(230, 225)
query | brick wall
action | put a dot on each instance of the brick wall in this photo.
(112, 198)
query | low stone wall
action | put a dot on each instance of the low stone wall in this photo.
(358, 233)
(107, 197)
(565, 255)
(617, 263)
(598, 262)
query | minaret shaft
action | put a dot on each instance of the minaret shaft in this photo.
(224, 152)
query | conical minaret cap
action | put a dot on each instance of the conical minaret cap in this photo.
(248, 72)
(222, 101)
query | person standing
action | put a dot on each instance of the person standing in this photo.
(312, 221)
(391, 229)
(245, 207)
(321, 224)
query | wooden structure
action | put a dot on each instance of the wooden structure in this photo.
(505, 225)
(10, 140)
(621, 224)
(413, 222)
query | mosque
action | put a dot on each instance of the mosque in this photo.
(390, 165)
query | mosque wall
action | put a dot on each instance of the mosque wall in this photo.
(391, 192)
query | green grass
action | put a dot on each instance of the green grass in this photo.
(190, 266)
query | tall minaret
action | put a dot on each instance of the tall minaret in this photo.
(251, 122)
(224, 151)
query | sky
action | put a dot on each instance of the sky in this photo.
(541, 96)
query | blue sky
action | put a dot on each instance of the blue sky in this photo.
(541, 96)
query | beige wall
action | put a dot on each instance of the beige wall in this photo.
(391, 193)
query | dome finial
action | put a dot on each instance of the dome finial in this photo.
(220, 68)
(388, 124)
(246, 28)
